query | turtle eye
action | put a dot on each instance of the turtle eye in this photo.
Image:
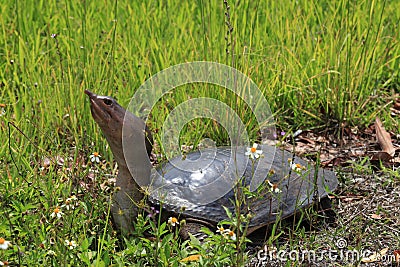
(107, 101)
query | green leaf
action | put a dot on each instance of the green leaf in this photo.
(194, 241)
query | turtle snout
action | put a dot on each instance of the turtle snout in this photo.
(90, 94)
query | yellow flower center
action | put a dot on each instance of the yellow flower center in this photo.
(96, 154)
(56, 210)
(2, 240)
(70, 243)
(174, 220)
(298, 165)
(253, 150)
(231, 233)
(221, 229)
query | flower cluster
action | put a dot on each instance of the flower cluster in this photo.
(71, 244)
(56, 213)
(173, 221)
(274, 187)
(297, 167)
(253, 152)
(227, 233)
(4, 244)
(70, 203)
(95, 157)
(153, 212)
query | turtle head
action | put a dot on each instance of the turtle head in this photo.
(112, 118)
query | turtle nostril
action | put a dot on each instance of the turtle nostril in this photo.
(107, 101)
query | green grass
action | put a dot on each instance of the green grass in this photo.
(321, 65)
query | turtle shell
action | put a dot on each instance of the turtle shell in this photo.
(201, 184)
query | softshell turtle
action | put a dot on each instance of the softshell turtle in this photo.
(292, 183)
